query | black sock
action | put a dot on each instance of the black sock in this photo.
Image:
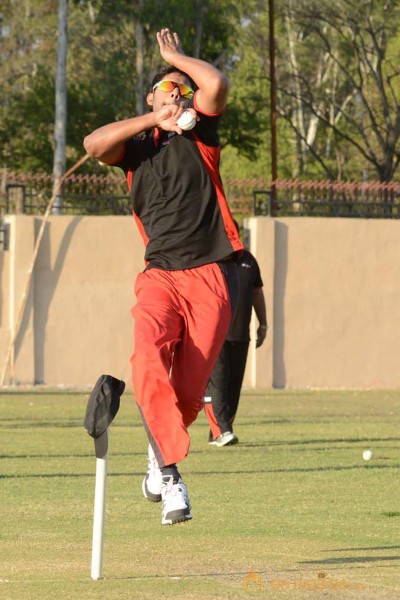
(169, 470)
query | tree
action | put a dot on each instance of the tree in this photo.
(348, 90)
(27, 90)
(245, 125)
(336, 65)
(60, 124)
(111, 56)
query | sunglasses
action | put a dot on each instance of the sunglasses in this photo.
(165, 85)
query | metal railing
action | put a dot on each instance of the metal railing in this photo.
(297, 198)
(107, 194)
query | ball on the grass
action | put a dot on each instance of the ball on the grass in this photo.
(186, 121)
(367, 454)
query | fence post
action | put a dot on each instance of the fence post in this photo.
(19, 197)
(269, 203)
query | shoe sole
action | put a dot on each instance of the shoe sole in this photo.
(149, 495)
(232, 442)
(176, 516)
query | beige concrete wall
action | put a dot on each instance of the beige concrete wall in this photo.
(260, 239)
(332, 288)
(82, 293)
(15, 261)
(4, 302)
(334, 303)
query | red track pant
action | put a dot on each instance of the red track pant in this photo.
(181, 319)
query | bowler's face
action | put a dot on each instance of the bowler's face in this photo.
(158, 98)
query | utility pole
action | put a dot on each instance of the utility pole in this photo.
(139, 35)
(274, 151)
(60, 121)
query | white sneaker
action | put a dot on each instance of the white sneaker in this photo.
(152, 483)
(225, 439)
(175, 501)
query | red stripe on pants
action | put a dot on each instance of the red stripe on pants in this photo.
(181, 320)
(212, 421)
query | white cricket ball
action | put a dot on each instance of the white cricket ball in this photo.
(367, 454)
(186, 121)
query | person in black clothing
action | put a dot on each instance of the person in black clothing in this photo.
(223, 390)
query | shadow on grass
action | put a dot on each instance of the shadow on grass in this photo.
(39, 392)
(320, 441)
(193, 575)
(369, 548)
(349, 560)
(208, 473)
(208, 451)
(72, 423)
(85, 455)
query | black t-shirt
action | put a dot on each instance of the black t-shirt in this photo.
(177, 196)
(249, 278)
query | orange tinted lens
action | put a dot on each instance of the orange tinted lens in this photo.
(185, 91)
(167, 86)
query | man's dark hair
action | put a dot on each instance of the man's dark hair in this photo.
(165, 71)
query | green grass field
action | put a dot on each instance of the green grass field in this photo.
(293, 511)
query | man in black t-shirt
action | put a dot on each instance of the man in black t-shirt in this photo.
(223, 391)
(186, 294)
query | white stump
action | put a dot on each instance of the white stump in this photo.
(99, 517)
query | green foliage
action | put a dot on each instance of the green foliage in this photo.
(340, 90)
(336, 69)
(24, 134)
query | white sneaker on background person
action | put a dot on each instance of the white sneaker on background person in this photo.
(225, 439)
